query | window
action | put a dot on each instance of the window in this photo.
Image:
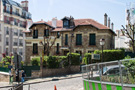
(92, 39)
(0, 27)
(35, 34)
(66, 39)
(7, 41)
(7, 31)
(65, 23)
(0, 49)
(35, 48)
(57, 52)
(46, 32)
(90, 51)
(6, 51)
(78, 39)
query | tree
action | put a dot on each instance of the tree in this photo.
(129, 32)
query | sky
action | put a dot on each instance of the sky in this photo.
(80, 9)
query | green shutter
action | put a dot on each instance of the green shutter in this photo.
(92, 39)
(79, 39)
(66, 39)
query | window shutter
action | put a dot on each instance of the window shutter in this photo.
(92, 39)
(66, 39)
(44, 32)
(78, 39)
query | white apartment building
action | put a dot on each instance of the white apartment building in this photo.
(14, 19)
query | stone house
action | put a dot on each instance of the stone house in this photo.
(76, 35)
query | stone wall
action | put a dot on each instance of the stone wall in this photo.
(56, 72)
(4, 77)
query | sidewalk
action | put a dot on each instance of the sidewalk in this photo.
(40, 80)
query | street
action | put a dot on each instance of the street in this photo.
(63, 84)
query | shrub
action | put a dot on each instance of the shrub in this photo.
(111, 55)
(35, 61)
(87, 58)
(75, 58)
(52, 62)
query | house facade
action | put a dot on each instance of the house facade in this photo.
(75, 35)
(14, 19)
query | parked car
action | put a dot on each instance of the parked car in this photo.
(113, 70)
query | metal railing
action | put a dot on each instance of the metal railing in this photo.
(116, 72)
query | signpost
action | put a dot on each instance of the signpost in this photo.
(95, 56)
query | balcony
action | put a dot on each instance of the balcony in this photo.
(22, 26)
(15, 13)
(6, 11)
(15, 44)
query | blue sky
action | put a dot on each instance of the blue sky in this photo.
(94, 9)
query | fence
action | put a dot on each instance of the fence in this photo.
(4, 68)
(116, 75)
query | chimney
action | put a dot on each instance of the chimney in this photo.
(25, 5)
(54, 22)
(112, 26)
(105, 19)
(109, 22)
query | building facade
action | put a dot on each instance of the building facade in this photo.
(122, 41)
(73, 35)
(14, 19)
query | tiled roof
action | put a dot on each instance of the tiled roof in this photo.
(79, 22)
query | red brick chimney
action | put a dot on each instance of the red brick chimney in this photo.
(25, 5)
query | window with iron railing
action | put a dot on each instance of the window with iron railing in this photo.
(16, 33)
(15, 43)
(7, 32)
(7, 43)
(21, 44)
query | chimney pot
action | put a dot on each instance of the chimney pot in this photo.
(112, 26)
(105, 19)
(109, 22)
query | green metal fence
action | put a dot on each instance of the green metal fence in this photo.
(28, 69)
(3, 69)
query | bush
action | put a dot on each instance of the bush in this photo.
(75, 58)
(52, 62)
(111, 55)
(35, 61)
(87, 58)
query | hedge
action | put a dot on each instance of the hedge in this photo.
(50, 61)
(75, 58)
(111, 55)
(87, 58)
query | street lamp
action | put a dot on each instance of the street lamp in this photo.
(102, 43)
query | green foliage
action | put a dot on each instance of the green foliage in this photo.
(22, 63)
(111, 55)
(127, 57)
(87, 58)
(52, 62)
(36, 61)
(130, 66)
(75, 58)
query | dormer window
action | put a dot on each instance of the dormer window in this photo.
(65, 23)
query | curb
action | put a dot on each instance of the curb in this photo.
(68, 77)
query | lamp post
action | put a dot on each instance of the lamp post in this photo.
(102, 43)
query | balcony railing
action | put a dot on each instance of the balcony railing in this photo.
(7, 11)
(15, 44)
(16, 23)
(8, 22)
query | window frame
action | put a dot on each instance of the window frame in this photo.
(34, 34)
(66, 39)
(78, 42)
(91, 42)
(35, 50)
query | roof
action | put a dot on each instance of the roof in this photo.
(79, 22)
(11, 2)
(40, 23)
